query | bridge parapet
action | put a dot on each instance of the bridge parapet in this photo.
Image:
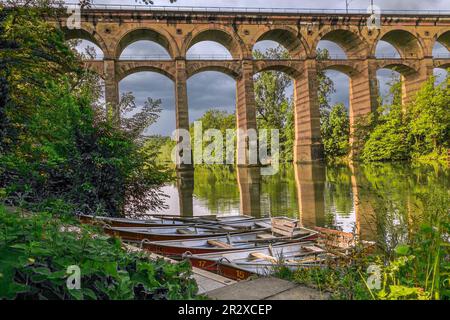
(442, 63)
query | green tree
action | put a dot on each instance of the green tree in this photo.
(54, 145)
(274, 109)
(218, 120)
(334, 120)
(335, 130)
(418, 130)
(429, 120)
(325, 86)
(389, 140)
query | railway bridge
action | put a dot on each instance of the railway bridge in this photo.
(412, 34)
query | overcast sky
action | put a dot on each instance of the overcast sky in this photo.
(215, 90)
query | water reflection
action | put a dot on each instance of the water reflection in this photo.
(365, 217)
(185, 186)
(249, 181)
(310, 183)
(378, 202)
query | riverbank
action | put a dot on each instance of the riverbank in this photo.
(417, 268)
(43, 256)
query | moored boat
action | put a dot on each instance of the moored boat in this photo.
(341, 241)
(203, 230)
(177, 232)
(158, 220)
(124, 222)
(242, 264)
(226, 243)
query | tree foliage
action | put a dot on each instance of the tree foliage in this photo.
(325, 86)
(54, 145)
(429, 120)
(334, 121)
(273, 108)
(335, 128)
(36, 251)
(214, 119)
(418, 130)
(389, 140)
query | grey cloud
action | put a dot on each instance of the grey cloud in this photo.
(144, 48)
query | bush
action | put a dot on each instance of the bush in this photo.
(37, 249)
(335, 128)
(55, 148)
(430, 120)
(389, 140)
(420, 130)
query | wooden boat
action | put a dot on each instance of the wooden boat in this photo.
(123, 222)
(242, 264)
(218, 244)
(335, 238)
(340, 242)
(194, 231)
(174, 232)
(157, 220)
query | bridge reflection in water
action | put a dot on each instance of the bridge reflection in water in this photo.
(341, 197)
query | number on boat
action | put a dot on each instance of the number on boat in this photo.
(240, 274)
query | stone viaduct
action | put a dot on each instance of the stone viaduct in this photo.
(412, 35)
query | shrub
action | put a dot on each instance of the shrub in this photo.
(335, 128)
(37, 249)
(54, 146)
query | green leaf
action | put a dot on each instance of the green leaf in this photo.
(402, 250)
(76, 294)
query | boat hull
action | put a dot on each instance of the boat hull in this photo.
(160, 221)
(130, 235)
(227, 270)
(242, 264)
(176, 250)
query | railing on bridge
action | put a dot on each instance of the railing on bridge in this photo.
(162, 57)
(214, 9)
(442, 56)
(158, 57)
(229, 57)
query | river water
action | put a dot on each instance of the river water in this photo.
(376, 202)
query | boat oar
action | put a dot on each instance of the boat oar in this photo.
(220, 244)
(263, 256)
(275, 240)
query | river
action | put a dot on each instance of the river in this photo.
(377, 202)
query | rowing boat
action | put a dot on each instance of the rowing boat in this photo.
(178, 232)
(157, 220)
(123, 222)
(195, 231)
(225, 243)
(340, 241)
(242, 264)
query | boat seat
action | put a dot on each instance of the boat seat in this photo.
(284, 227)
(220, 244)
